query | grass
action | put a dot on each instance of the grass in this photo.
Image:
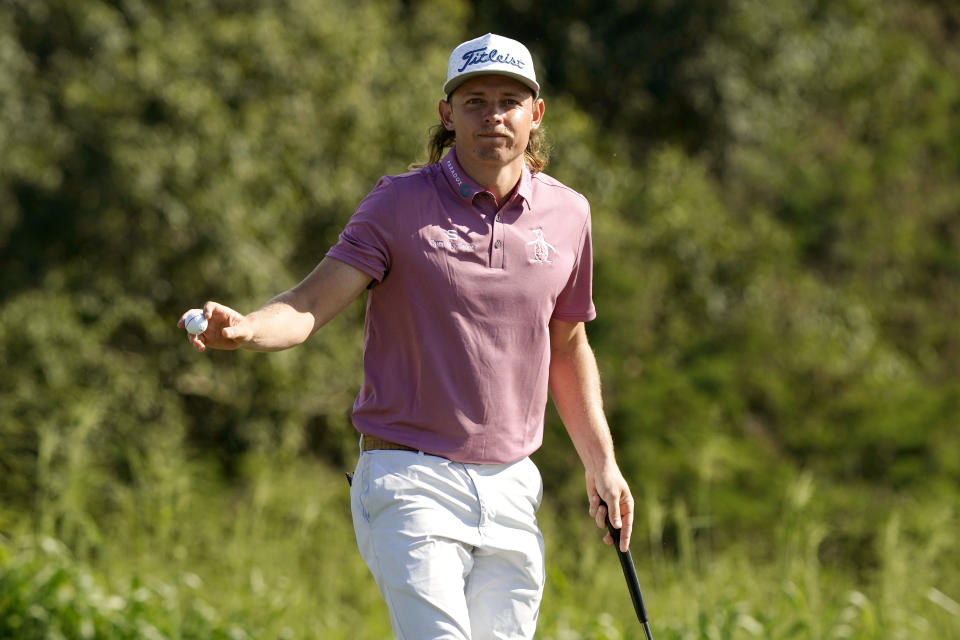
(185, 556)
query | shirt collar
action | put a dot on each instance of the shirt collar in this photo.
(466, 189)
(525, 188)
(457, 178)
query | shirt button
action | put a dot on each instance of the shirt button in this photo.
(498, 217)
(496, 245)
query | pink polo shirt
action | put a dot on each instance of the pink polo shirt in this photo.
(456, 339)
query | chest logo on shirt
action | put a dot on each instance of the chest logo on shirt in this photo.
(453, 242)
(539, 249)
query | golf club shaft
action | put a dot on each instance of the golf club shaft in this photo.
(630, 573)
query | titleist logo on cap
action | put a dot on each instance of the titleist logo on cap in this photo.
(480, 56)
(494, 55)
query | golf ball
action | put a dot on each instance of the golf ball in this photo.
(196, 323)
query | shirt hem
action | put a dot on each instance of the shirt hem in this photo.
(574, 317)
(352, 261)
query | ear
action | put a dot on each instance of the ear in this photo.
(538, 110)
(446, 114)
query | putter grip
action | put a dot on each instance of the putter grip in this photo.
(629, 572)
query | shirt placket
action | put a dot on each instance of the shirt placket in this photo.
(486, 206)
(502, 219)
(497, 249)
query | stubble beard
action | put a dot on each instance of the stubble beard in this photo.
(496, 151)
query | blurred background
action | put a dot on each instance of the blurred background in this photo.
(776, 204)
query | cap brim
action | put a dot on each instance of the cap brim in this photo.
(453, 83)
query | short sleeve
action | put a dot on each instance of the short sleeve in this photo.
(575, 302)
(365, 241)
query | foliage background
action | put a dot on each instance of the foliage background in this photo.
(775, 188)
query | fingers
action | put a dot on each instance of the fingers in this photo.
(222, 331)
(601, 515)
(613, 512)
(197, 342)
(234, 333)
(626, 529)
(237, 334)
(209, 307)
(595, 504)
(618, 506)
(623, 522)
(621, 517)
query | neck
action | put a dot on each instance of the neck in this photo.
(499, 180)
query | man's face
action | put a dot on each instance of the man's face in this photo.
(492, 117)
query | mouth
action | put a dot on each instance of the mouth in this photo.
(492, 135)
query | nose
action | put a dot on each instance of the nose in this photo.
(493, 115)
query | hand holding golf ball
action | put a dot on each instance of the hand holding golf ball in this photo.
(215, 326)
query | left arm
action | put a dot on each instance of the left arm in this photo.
(575, 387)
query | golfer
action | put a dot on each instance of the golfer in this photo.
(479, 272)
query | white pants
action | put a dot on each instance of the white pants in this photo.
(454, 548)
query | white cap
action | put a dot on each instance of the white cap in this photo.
(490, 54)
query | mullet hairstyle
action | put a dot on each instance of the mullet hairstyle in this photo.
(536, 155)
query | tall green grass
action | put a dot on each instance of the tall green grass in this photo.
(180, 554)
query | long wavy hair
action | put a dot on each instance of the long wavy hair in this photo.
(536, 155)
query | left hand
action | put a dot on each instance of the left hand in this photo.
(611, 487)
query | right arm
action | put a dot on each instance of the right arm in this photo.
(288, 319)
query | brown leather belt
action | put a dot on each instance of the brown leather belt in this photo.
(373, 442)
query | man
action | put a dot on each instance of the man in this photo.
(480, 277)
